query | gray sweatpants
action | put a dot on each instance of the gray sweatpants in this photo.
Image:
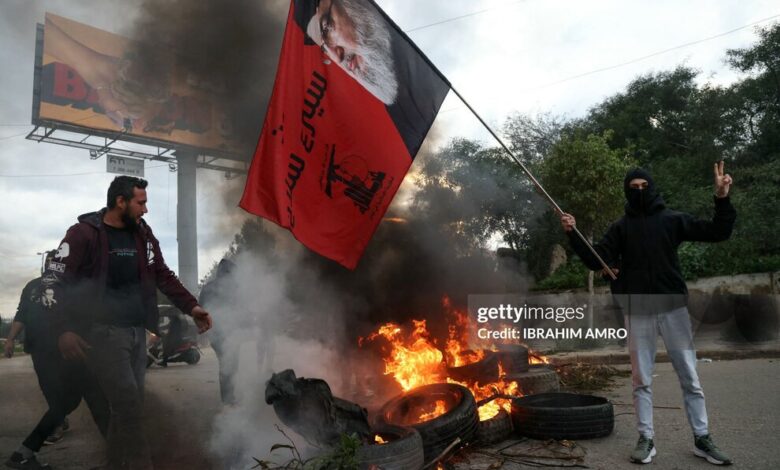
(675, 328)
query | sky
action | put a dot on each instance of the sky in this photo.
(503, 56)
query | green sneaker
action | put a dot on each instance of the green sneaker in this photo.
(644, 450)
(707, 449)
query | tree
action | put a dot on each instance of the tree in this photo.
(476, 191)
(675, 128)
(756, 113)
(531, 138)
(585, 176)
(759, 95)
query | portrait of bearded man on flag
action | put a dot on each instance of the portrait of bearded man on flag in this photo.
(353, 34)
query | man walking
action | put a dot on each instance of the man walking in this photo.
(63, 384)
(239, 323)
(652, 293)
(104, 281)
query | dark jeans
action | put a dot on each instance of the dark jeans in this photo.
(118, 360)
(63, 384)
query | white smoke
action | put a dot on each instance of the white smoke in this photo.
(279, 319)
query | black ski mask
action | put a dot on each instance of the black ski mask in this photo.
(641, 200)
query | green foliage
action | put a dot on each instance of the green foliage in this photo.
(667, 122)
(693, 262)
(343, 457)
(543, 235)
(758, 96)
(665, 115)
(571, 275)
(677, 128)
(585, 176)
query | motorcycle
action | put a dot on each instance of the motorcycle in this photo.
(177, 342)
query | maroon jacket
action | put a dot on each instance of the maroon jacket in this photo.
(75, 280)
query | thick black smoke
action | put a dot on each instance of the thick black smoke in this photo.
(230, 47)
(417, 257)
(314, 308)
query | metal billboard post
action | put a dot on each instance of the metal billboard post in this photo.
(187, 219)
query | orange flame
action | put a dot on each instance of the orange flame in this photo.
(378, 439)
(439, 409)
(458, 354)
(414, 360)
(534, 358)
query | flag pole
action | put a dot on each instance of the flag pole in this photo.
(536, 182)
(492, 132)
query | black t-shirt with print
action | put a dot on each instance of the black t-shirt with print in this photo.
(122, 304)
(39, 336)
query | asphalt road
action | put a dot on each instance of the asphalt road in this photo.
(189, 429)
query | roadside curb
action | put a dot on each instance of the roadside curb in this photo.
(615, 358)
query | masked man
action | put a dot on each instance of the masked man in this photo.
(652, 293)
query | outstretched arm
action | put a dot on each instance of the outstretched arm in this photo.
(722, 223)
(171, 286)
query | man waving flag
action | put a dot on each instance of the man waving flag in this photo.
(353, 101)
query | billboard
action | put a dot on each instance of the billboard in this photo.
(99, 82)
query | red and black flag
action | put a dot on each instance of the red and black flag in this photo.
(352, 102)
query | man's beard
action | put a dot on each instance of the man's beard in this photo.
(130, 222)
(374, 45)
(377, 73)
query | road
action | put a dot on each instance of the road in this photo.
(189, 429)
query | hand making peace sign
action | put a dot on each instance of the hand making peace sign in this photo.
(722, 181)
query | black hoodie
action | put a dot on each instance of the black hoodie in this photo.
(644, 241)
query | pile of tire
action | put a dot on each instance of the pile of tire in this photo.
(402, 450)
(459, 421)
(513, 358)
(562, 416)
(537, 379)
(495, 429)
(483, 371)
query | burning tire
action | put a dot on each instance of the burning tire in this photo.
(458, 416)
(482, 371)
(495, 429)
(402, 450)
(513, 358)
(563, 416)
(538, 379)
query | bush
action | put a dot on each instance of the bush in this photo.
(693, 260)
(572, 275)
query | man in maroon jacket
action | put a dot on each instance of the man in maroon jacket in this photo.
(102, 285)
